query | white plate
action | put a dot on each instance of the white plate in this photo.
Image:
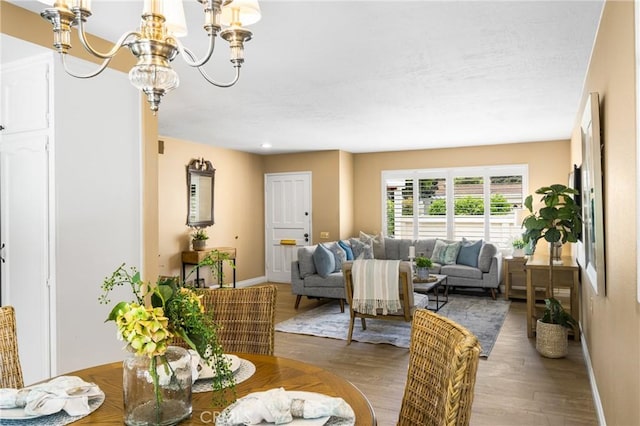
(19, 414)
(320, 421)
(206, 372)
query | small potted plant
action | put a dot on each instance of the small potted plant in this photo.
(422, 267)
(552, 330)
(199, 239)
(518, 247)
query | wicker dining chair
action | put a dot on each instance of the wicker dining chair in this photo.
(443, 361)
(10, 369)
(246, 317)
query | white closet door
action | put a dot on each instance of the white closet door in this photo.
(24, 230)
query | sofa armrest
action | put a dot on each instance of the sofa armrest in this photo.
(493, 278)
(297, 283)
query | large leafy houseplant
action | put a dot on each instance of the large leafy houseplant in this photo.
(558, 221)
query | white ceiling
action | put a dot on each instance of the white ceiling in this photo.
(365, 76)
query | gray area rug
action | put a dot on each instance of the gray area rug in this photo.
(482, 316)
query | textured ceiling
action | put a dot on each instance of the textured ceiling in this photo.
(366, 76)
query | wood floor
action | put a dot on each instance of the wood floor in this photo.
(514, 386)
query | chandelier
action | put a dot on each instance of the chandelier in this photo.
(156, 43)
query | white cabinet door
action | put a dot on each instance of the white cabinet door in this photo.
(25, 96)
(24, 232)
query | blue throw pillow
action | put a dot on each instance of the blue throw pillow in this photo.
(347, 249)
(324, 260)
(469, 251)
(339, 254)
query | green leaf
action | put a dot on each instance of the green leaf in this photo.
(117, 310)
(552, 235)
(528, 203)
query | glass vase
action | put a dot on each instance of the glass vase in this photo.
(161, 400)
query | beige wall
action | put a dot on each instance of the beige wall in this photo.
(548, 163)
(612, 323)
(238, 206)
(346, 195)
(325, 183)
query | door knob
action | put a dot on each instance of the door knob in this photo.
(306, 237)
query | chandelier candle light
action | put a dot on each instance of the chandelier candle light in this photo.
(157, 43)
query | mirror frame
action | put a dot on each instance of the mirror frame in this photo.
(201, 168)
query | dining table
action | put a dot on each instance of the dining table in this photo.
(270, 372)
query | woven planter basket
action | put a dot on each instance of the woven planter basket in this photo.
(552, 340)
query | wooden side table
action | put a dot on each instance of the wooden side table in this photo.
(515, 276)
(195, 257)
(564, 276)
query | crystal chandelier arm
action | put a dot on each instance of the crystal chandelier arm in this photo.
(121, 42)
(93, 74)
(209, 79)
(189, 57)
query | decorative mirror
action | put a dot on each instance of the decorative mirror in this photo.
(200, 182)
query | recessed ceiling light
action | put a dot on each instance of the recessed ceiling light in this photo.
(265, 145)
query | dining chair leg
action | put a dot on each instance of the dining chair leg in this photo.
(364, 324)
(298, 297)
(342, 306)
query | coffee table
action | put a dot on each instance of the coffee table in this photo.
(438, 285)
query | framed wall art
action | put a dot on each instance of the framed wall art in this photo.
(591, 249)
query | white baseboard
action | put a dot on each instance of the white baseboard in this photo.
(250, 282)
(592, 379)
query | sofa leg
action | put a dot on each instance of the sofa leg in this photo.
(493, 293)
(342, 306)
(298, 297)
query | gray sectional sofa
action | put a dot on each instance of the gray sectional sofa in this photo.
(486, 274)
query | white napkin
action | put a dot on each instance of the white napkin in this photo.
(68, 393)
(276, 406)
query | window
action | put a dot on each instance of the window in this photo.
(473, 202)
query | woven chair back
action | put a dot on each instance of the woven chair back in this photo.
(246, 317)
(10, 369)
(443, 361)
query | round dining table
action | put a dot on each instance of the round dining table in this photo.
(271, 372)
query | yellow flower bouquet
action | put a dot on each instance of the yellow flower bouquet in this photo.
(160, 315)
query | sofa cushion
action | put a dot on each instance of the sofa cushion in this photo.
(396, 249)
(487, 252)
(305, 261)
(347, 248)
(461, 271)
(469, 252)
(376, 242)
(324, 261)
(424, 246)
(334, 279)
(339, 255)
(445, 253)
(360, 249)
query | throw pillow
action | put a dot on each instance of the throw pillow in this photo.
(324, 261)
(375, 241)
(469, 252)
(361, 250)
(487, 252)
(347, 248)
(339, 255)
(305, 261)
(445, 254)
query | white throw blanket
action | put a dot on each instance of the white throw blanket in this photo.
(375, 286)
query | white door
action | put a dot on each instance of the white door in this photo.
(25, 271)
(288, 221)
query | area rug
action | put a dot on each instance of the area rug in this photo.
(480, 315)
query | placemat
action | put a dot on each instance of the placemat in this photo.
(56, 419)
(246, 370)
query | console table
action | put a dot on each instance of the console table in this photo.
(564, 276)
(195, 257)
